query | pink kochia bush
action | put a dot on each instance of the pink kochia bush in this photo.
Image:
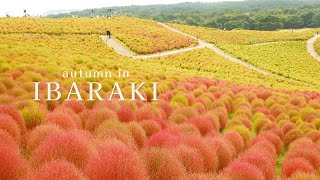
(199, 129)
(9, 125)
(12, 164)
(294, 165)
(163, 164)
(57, 169)
(13, 112)
(71, 146)
(116, 161)
(242, 170)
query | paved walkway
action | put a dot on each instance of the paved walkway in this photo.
(122, 50)
(218, 51)
(311, 49)
(117, 46)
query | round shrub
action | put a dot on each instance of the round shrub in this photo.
(178, 118)
(98, 116)
(235, 139)
(303, 175)
(76, 106)
(244, 132)
(180, 100)
(113, 129)
(15, 115)
(189, 129)
(12, 164)
(57, 169)
(33, 115)
(222, 115)
(150, 127)
(138, 133)
(294, 165)
(62, 120)
(224, 150)
(162, 139)
(9, 125)
(40, 134)
(266, 148)
(204, 124)
(241, 170)
(291, 136)
(70, 146)
(125, 114)
(7, 140)
(162, 164)
(311, 155)
(116, 161)
(146, 112)
(275, 140)
(190, 158)
(262, 162)
(166, 107)
(208, 153)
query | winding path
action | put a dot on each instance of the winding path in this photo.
(218, 51)
(234, 59)
(311, 49)
(117, 46)
(121, 49)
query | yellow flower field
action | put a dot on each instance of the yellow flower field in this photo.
(141, 36)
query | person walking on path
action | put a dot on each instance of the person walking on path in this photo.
(108, 34)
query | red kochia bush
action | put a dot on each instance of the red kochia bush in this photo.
(208, 153)
(12, 165)
(204, 124)
(9, 125)
(70, 146)
(262, 162)
(138, 133)
(294, 165)
(150, 127)
(40, 134)
(98, 116)
(162, 139)
(125, 114)
(190, 158)
(162, 164)
(235, 139)
(241, 170)
(304, 176)
(76, 106)
(311, 155)
(224, 149)
(7, 140)
(275, 140)
(58, 169)
(116, 161)
(15, 115)
(16, 74)
(63, 120)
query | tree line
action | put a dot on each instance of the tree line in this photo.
(249, 14)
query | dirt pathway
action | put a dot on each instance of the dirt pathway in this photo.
(311, 49)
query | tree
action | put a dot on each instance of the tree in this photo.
(211, 23)
(234, 25)
(293, 21)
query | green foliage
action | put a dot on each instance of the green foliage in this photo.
(249, 14)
